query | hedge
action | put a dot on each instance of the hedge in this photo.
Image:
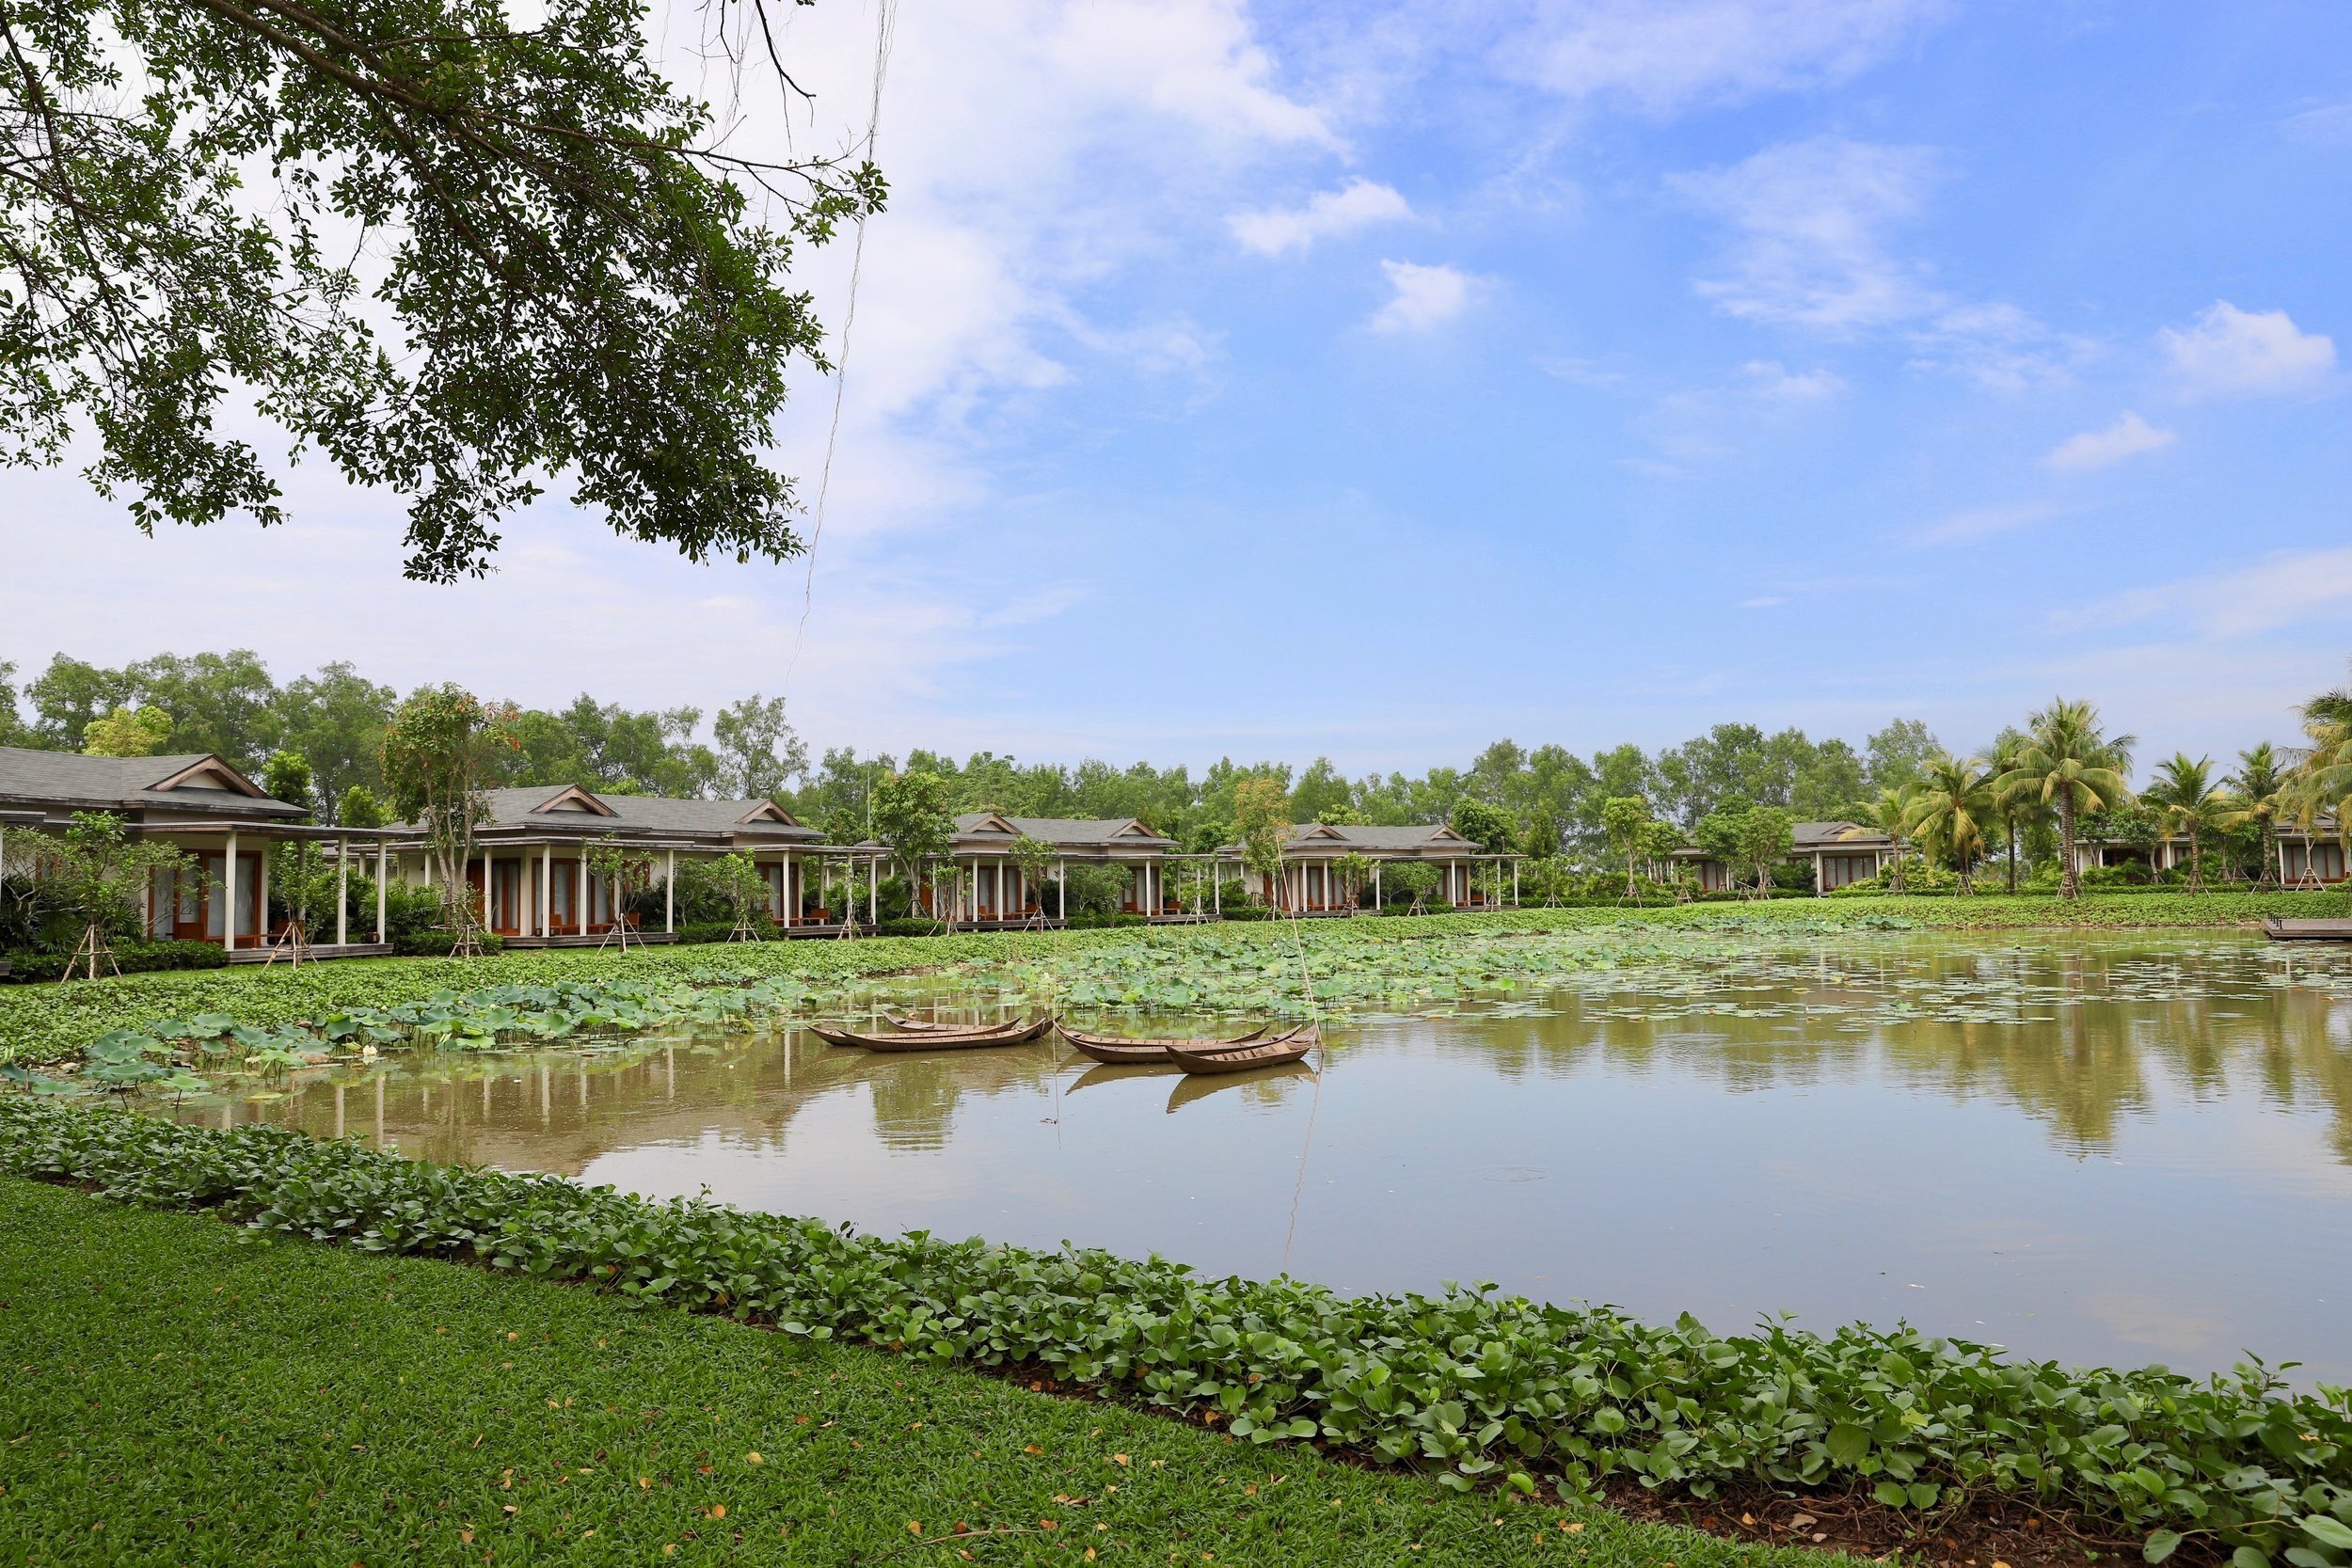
(131, 957)
(1470, 1384)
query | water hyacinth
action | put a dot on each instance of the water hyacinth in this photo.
(1470, 1384)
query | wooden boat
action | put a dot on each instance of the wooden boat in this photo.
(1015, 1032)
(1120, 1051)
(1281, 1050)
(918, 1026)
(2307, 930)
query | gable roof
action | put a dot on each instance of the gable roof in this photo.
(571, 809)
(187, 781)
(985, 826)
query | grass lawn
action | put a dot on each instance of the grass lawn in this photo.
(176, 1391)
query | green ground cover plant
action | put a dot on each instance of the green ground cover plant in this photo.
(257, 1401)
(1464, 1387)
(1226, 965)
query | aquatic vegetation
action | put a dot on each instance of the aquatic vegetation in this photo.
(1468, 1385)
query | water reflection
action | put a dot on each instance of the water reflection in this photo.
(2129, 1148)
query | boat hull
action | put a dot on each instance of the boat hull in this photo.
(1015, 1035)
(1281, 1050)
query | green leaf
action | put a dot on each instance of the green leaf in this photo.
(2327, 1529)
(2160, 1545)
(1848, 1442)
(1892, 1493)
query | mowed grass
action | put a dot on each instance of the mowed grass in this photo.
(176, 1391)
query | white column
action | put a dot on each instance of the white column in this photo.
(228, 894)
(1061, 881)
(1376, 884)
(580, 898)
(546, 889)
(261, 896)
(489, 894)
(1216, 882)
(383, 874)
(668, 894)
(342, 892)
(1818, 889)
(873, 886)
(792, 905)
(1515, 884)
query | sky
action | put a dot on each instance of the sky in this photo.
(1378, 381)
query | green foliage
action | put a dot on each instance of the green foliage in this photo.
(1262, 818)
(286, 776)
(2067, 762)
(132, 957)
(433, 1404)
(440, 753)
(1468, 1384)
(143, 732)
(911, 815)
(570, 278)
(1095, 890)
(1489, 827)
(360, 808)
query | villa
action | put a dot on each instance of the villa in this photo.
(532, 879)
(1840, 853)
(1310, 883)
(990, 888)
(197, 802)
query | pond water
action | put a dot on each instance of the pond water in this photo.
(2123, 1149)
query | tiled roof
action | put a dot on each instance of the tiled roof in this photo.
(1059, 830)
(69, 779)
(521, 808)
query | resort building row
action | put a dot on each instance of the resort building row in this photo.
(533, 884)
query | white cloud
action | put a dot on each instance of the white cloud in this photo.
(2286, 589)
(1423, 297)
(1662, 54)
(1811, 224)
(1810, 220)
(2230, 351)
(2331, 124)
(2096, 449)
(1768, 378)
(1977, 524)
(1359, 205)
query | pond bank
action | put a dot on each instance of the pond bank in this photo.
(293, 1402)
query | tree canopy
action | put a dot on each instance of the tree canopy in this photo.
(450, 255)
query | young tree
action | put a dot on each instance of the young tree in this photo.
(1763, 835)
(911, 815)
(1034, 858)
(2070, 763)
(1655, 841)
(2186, 800)
(736, 879)
(286, 776)
(1416, 879)
(126, 732)
(96, 872)
(1949, 807)
(481, 252)
(1353, 870)
(1262, 819)
(1624, 818)
(441, 751)
(2258, 782)
(1888, 813)
(625, 871)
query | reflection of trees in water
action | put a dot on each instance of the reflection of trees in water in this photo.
(2082, 1040)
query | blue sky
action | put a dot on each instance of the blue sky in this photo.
(1278, 380)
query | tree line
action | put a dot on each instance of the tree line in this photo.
(1735, 792)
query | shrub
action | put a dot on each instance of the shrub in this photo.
(132, 957)
(1469, 1383)
(438, 943)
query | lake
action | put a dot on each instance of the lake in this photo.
(2117, 1148)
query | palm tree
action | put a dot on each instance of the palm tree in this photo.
(1949, 807)
(2186, 798)
(2007, 748)
(2260, 778)
(2069, 762)
(1887, 812)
